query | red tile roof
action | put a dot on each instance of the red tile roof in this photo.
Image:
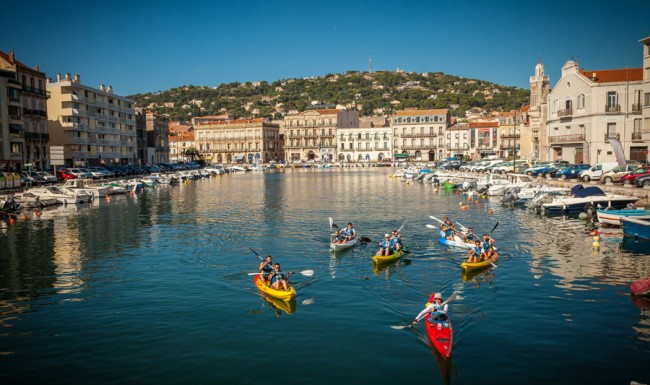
(18, 63)
(613, 76)
(483, 124)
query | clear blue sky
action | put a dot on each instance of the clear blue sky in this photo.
(142, 46)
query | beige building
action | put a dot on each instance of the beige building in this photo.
(419, 135)
(457, 141)
(587, 108)
(534, 140)
(509, 133)
(371, 142)
(239, 141)
(34, 148)
(12, 141)
(94, 126)
(181, 138)
(645, 129)
(311, 135)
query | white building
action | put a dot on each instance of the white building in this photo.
(418, 135)
(371, 142)
(458, 141)
(587, 108)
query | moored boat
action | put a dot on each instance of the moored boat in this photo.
(440, 334)
(480, 265)
(581, 197)
(636, 228)
(285, 295)
(613, 217)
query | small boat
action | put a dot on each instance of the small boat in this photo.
(448, 242)
(480, 265)
(581, 197)
(636, 228)
(613, 217)
(440, 334)
(344, 246)
(378, 259)
(283, 295)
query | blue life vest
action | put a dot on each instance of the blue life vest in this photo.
(477, 251)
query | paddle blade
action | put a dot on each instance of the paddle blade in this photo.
(331, 222)
(400, 327)
(401, 227)
(494, 228)
(429, 226)
(435, 219)
(254, 273)
(307, 273)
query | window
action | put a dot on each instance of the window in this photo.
(581, 101)
(612, 99)
(351, 146)
(646, 99)
(611, 130)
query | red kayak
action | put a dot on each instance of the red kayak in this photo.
(641, 287)
(440, 334)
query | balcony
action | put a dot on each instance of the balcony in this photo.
(33, 90)
(566, 138)
(637, 108)
(565, 112)
(506, 147)
(419, 147)
(612, 135)
(637, 136)
(418, 135)
(613, 109)
(510, 136)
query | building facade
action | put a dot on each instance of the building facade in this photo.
(419, 135)
(483, 139)
(94, 126)
(364, 144)
(12, 139)
(645, 130)
(157, 137)
(534, 140)
(509, 134)
(181, 138)
(33, 98)
(239, 141)
(311, 135)
(458, 141)
(588, 108)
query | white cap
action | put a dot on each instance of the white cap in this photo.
(437, 296)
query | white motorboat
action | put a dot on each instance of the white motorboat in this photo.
(62, 196)
(582, 199)
(515, 180)
(87, 186)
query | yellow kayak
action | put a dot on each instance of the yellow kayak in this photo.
(387, 258)
(285, 295)
(480, 265)
(288, 307)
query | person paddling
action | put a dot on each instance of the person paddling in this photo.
(449, 231)
(266, 268)
(488, 247)
(279, 279)
(436, 308)
(396, 239)
(475, 253)
(385, 246)
(347, 234)
(470, 236)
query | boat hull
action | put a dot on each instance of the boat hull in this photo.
(613, 217)
(636, 228)
(279, 294)
(441, 335)
(379, 259)
(344, 246)
(479, 265)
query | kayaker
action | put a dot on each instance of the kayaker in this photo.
(266, 268)
(385, 246)
(396, 239)
(436, 308)
(487, 246)
(475, 253)
(470, 236)
(449, 230)
(349, 233)
(278, 278)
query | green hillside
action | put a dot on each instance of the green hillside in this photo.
(377, 93)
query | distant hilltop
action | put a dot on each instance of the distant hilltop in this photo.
(372, 93)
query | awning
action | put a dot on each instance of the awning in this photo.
(401, 156)
(238, 157)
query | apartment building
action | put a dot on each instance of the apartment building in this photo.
(33, 149)
(591, 111)
(181, 138)
(311, 135)
(12, 139)
(419, 135)
(457, 141)
(370, 142)
(645, 129)
(483, 139)
(94, 126)
(239, 141)
(157, 126)
(509, 133)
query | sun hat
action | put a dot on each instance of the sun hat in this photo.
(437, 296)
(386, 235)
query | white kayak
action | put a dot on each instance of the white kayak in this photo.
(456, 242)
(346, 245)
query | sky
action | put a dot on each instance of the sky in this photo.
(149, 46)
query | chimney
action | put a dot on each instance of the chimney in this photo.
(109, 89)
(58, 77)
(102, 88)
(77, 78)
(11, 56)
(593, 76)
(36, 68)
(67, 76)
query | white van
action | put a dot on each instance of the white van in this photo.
(595, 172)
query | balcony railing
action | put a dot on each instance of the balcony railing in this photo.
(506, 147)
(613, 109)
(33, 90)
(612, 135)
(566, 138)
(419, 147)
(510, 135)
(637, 135)
(565, 112)
(418, 135)
(637, 107)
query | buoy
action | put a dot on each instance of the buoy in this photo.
(464, 208)
(460, 203)
(596, 245)
(476, 201)
(12, 221)
(490, 212)
(484, 196)
(457, 192)
(23, 217)
(596, 238)
(39, 213)
(469, 199)
(582, 216)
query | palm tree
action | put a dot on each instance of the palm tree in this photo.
(191, 152)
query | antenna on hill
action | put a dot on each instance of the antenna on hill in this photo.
(369, 65)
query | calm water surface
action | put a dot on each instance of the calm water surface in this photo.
(154, 289)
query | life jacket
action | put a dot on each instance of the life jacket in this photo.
(267, 269)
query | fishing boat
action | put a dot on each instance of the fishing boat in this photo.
(284, 295)
(346, 245)
(440, 334)
(379, 259)
(636, 228)
(480, 265)
(613, 217)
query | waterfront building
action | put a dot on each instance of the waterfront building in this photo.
(94, 126)
(534, 140)
(419, 135)
(210, 119)
(181, 138)
(34, 148)
(644, 134)
(239, 141)
(509, 134)
(458, 141)
(12, 141)
(141, 136)
(157, 137)
(588, 108)
(311, 135)
(370, 142)
(483, 139)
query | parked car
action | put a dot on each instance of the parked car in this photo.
(596, 171)
(64, 174)
(639, 172)
(642, 181)
(99, 172)
(31, 177)
(49, 178)
(571, 171)
(80, 173)
(615, 174)
(487, 164)
(537, 166)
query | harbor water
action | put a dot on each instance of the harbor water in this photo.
(155, 288)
